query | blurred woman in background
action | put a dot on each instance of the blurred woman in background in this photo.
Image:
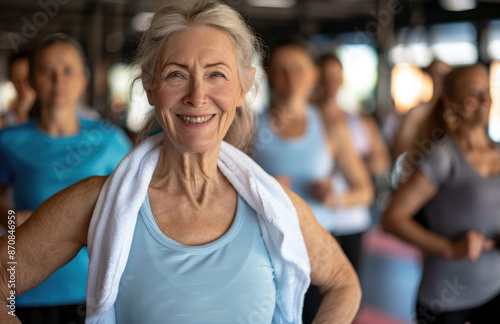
(454, 173)
(292, 144)
(363, 129)
(350, 222)
(26, 96)
(48, 154)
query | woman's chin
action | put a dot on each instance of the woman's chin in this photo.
(59, 105)
(198, 146)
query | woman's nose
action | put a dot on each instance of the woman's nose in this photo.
(196, 96)
(57, 77)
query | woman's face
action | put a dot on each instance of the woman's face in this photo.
(197, 89)
(472, 101)
(59, 76)
(331, 78)
(292, 73)
(19, 76)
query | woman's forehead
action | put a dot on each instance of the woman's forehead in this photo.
(474, 77)
(202, 44)
(290, 54)
(59, 53)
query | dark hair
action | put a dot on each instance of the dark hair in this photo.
(432, 66)
(295, 41)
(56, 39)
(20, 55)
(328, 57)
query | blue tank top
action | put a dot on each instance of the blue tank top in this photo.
(37, 166)
(229, 280)
(304, 159)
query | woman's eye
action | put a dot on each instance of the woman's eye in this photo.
(175, 75)
(217, 75)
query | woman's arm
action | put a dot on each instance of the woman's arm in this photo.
(398, 220)
(408, 130)
(330, 269)
(353, 168)
(379, 159)
(49, 239)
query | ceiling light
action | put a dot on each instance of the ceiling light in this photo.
(458, 5)
(273, 3)
(458, 53)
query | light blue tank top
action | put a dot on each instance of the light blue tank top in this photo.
(230, 280)
(304, 159)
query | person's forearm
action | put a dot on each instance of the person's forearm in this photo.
(339, 306)
(379, 163)
(363, 195)
(413, 233)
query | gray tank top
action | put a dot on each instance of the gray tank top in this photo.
(465, 201)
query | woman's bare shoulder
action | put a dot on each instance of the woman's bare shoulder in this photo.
(305, 215)
(84, 192)
(68, 212)
(297, 202)
(90, 187)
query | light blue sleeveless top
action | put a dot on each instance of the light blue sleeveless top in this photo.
(304, 159)
(230, 280)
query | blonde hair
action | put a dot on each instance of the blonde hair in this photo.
(175, 16)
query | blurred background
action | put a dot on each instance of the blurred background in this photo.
(382, 44)
(376, 41)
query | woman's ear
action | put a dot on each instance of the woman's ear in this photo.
(248, 85)
(251, 79)
(147, 84)
(147, 87)
(150, 98)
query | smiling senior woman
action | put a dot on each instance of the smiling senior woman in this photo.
(188, 229)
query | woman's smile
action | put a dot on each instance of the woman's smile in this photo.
(195, 120)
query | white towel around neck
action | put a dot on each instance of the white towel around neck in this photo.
(115, 215)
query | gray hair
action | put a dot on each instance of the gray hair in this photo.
(175, 16)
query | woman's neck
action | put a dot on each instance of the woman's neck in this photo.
(327, 102)
(291, 106)
(22, 110)
(330, 109)
(471, 138)
(194, 175)
(21, 116)
(59, 122)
